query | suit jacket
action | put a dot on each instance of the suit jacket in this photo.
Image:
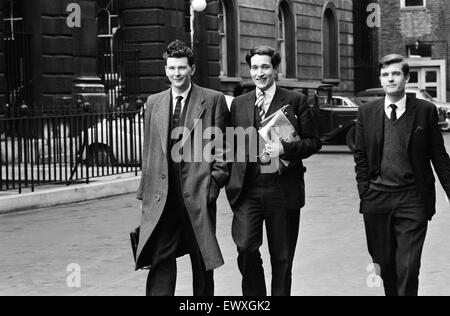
(300, 115)
(201, 181)
(424, 144)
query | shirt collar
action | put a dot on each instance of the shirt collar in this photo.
(269, 92)
(184, 94)
(401, 105)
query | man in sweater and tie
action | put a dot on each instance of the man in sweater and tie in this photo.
(256, 192)
(397, 139)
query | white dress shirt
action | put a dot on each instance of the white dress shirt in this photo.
(401, 107)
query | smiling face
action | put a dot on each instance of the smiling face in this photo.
(179, 73)
(262, 71)
(393, 80)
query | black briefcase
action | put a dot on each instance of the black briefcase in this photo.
(134, 238)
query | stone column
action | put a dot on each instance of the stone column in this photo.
(2, 61)
(153, 24)
(88, 90)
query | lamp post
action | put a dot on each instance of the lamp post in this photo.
(199, 5)
(196, 6)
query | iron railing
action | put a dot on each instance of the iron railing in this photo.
(45, 149)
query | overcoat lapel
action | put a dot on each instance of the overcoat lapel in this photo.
(194, 112)
(410, 118)
(277, 102)
(251, 107)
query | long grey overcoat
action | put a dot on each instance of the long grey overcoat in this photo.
(201, 180)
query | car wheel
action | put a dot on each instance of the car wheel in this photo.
(445, 127)
(101, 155)
(350, 138)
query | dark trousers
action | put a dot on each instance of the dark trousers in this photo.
(396, 225)
(172, 238)
(263, 202)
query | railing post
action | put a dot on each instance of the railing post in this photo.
(86, 122)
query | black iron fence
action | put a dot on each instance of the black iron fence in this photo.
(39, 150)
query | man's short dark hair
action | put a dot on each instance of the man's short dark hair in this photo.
(394, 59)
(264, 50)
(179, 49)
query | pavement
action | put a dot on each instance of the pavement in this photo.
(41, 249)
(54, 195)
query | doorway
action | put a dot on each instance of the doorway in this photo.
(428, 79)
(429, 75)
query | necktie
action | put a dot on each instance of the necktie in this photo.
(393, 113)
(260, 104)
(177, 113)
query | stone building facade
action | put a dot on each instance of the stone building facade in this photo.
(46, 59)
(316, 38)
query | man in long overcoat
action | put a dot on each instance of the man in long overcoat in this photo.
(179, 195)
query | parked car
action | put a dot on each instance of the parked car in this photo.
(371, 94)
(443, 107)
(334, 116)
(116, 139)
(345, 101)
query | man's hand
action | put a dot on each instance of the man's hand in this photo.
(274, 149)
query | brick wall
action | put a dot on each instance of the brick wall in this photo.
(401, 27)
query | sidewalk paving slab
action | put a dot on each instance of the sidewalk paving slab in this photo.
(53, 195)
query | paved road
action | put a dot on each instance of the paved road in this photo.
(331, 259)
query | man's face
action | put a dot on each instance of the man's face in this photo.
(262, 72)
(179, 72)
(393, 80)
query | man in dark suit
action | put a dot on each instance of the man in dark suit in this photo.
(258, 193)
(396, 139)
(179, 195)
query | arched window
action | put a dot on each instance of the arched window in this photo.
(286, 40)
(229, 61)
(330, 43)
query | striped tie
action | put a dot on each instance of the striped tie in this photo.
(177, 113)
(260, 104)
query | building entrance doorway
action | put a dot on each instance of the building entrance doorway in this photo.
(429, 75)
